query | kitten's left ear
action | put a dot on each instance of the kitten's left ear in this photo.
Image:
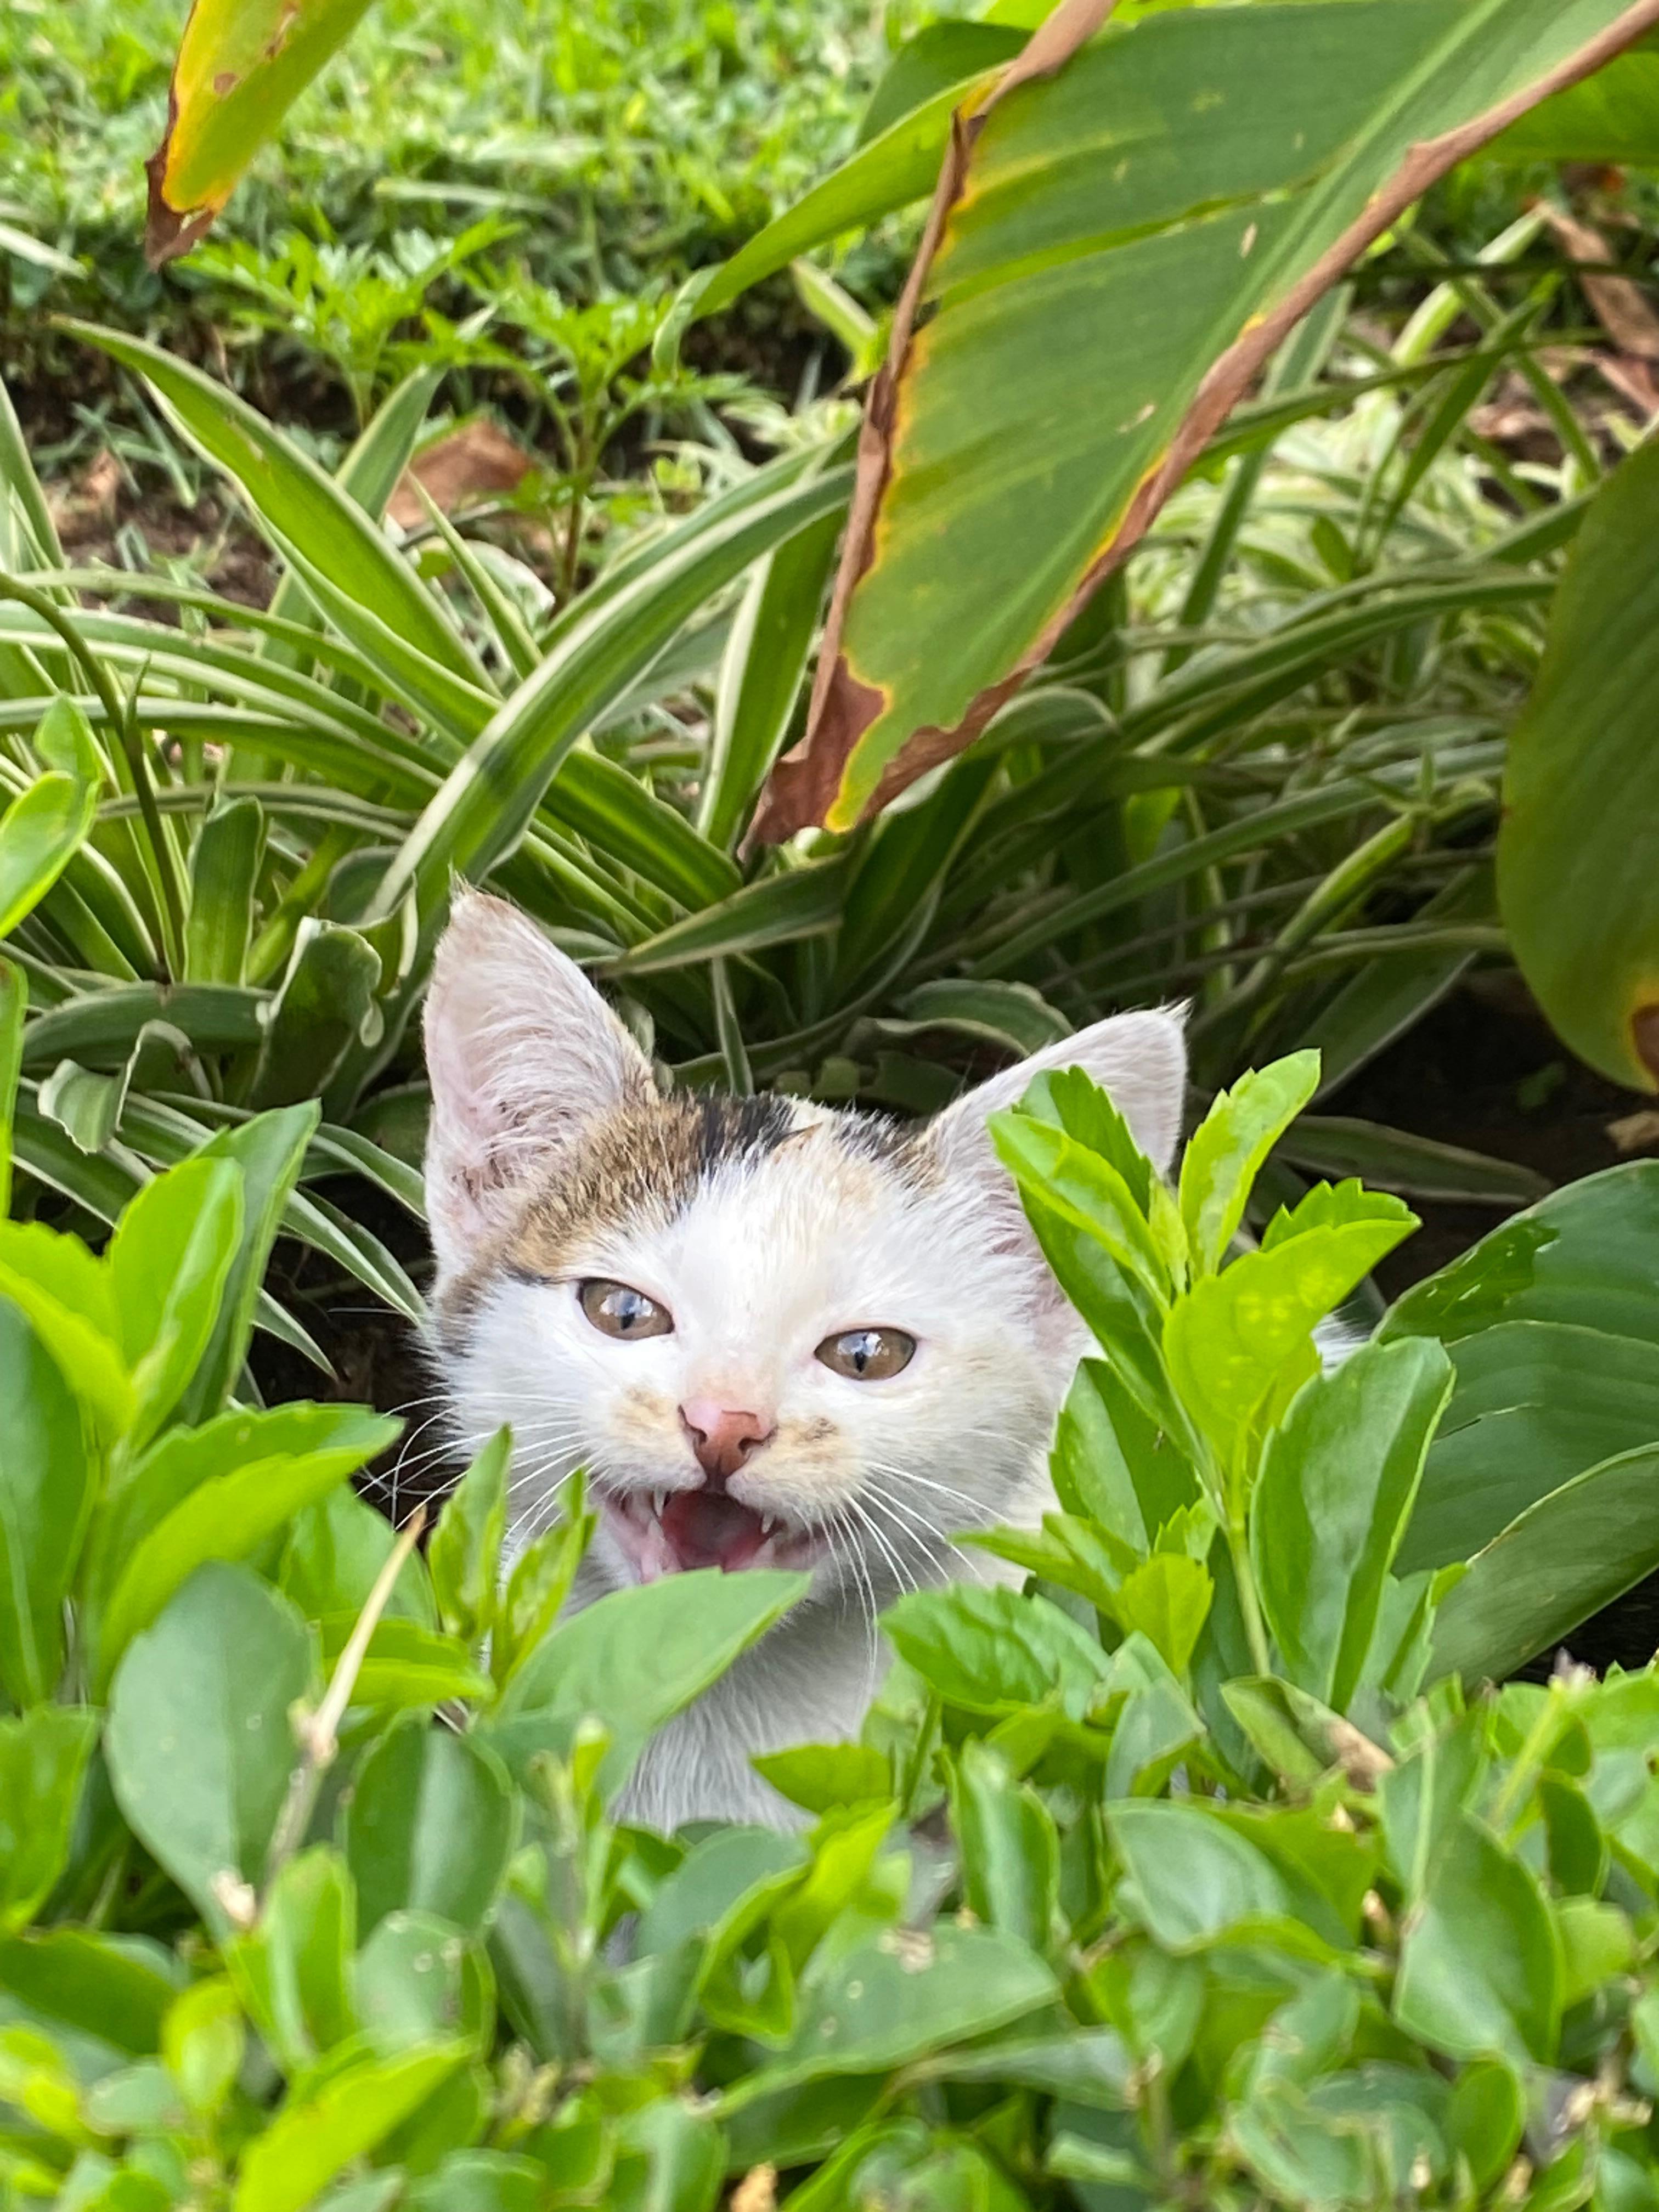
(1138, 1059)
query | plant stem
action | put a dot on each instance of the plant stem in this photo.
(318, 1732)
(1249, 1605)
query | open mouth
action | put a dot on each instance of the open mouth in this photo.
(672, 1532)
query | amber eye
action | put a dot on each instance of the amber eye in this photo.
(617, 1310)
(868, 1355)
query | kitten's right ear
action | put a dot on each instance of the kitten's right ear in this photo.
(523, 1054)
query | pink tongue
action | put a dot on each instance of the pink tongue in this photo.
(704, 1530)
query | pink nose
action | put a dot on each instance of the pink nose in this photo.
(722, 1437)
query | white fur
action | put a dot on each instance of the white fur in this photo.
(772, 1254)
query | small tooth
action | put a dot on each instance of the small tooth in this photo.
(658, 1499)
(768, 1523)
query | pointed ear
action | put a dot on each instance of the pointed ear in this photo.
(522, 1054)
(1138, 1059)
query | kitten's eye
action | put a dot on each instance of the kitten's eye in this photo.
(617, 1310)
(868, 1355)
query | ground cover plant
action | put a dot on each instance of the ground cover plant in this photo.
(1204, 1869)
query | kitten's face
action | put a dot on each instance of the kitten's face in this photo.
(775, 1335)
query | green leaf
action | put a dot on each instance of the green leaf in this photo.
(269, 1151)
(308, 517)
(224, 875)
(488, 800)
(760, 674)
(169, 1262)
(47, 1480)
(1339, 1478)
(1168, 1599)
(543, 1576)
(335, 1555)
(1580, 906)
(42, 830)
(885, 2003)
(1010, 1848)
(1229, 1340)
(1606, 118)
(292, 1971)
(465, 1555)
(54, 1281)
(1535, 1404)
(1081, 1188)
(1228, 1147)
(417, 1982)
(405, 1664)
(14, 1004)
(204, 2042)
(224, 1516)
(634, 1659)
(821, 1777)
(314, 2137)
(991, 503)
(1479, 1961)
(1561, 1560)
(994, 1651)
(430, 1826)
(199, 1745)
(1415, 1167)
(672, 2158)
(1485, 2118)
(1584, 1256)
(115, 1990)
(1194, 1879)
(43, 1759)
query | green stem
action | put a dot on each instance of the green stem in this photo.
(1249, 1605)
(125, 724)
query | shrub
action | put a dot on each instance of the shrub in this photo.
(1190, 1874)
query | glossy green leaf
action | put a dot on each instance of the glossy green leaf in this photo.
(430, 1826)
(43, 1760)
(1339, 1146)
(225, 1517)
(269, 1151)
(1174, 263)
(1194, 1879)
(313, 2136)
(884, 2003)
(1580, 905)
(47, 1481)
(14, 1004)
(465, 1555)
(1225, 1152)
(1229, 1339)
(293, 1969)
(1339, 1478)
(992, 1651)
(1561, 1560)
(1584, 1256)
(635, 1658)
(1010, 1848)
(1535, 1404)
(169, 1262)
(200, 1746)
(1480, 1963)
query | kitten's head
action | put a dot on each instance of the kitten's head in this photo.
(775, 1335)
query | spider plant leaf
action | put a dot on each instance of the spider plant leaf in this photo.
(1172, 258)
(308, 517)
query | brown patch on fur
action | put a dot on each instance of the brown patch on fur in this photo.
(643, 1163)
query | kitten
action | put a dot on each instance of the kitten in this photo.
(775, 1336)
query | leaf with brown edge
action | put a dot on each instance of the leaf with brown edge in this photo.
(241, 65)
(1125, 228)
